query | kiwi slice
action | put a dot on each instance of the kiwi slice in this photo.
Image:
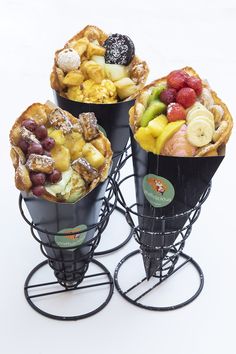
(156, 91)
(155, 109)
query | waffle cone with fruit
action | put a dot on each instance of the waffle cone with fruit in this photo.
(58, 161)
(180, 128)
(56, 156)
(100, 73)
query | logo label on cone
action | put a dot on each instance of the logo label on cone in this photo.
(74, 240)
(158, 190)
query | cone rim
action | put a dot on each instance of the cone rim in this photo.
(94, 103)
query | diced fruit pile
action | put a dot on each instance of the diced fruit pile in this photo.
(90, 69)
(49, 151)
(175, 102)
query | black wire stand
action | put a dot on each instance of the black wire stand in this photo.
(170, 256)
(71, 272)
(122, 157)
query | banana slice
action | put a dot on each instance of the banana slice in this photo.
(207, 119)
(195, 106)
(203, 116)
(199, 132)
(200, 112)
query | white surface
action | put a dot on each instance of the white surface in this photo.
(168, 39)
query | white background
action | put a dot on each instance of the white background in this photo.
(167, 38)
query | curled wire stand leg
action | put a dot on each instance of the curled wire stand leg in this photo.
(70, 256)
(123, 156)
(32, 297)
(161, 240)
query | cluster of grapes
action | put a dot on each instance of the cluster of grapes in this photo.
(44, 147)
(181, 93)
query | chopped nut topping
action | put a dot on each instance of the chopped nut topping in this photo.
(59, 120)
(40, 163)
(88, 122)
(28, 136)
(86, 171)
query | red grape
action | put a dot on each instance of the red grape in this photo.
(38, 191)
(41, 132)
(196, 84)
(55, 176)
(168, 96)
(35, 148)
(177, 79)
(48, 143)
(186, 97)
(175, 112)
(29, 124)
(23, 145)
(38, 179)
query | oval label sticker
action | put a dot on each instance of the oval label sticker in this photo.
(71, 240)
(158, 190)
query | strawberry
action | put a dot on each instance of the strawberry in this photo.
(195, 83)
(186, 97)
(168, 96)
(177, 79)
(175, 112)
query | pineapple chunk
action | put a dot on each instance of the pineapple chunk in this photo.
(73, 78)
(92, 155)
(75, 93)
(157, 125)
(125, 87)
(94, 71)
(145, 139)
(115, 72)
(100, 145)
(61, 156)
(94, 49)
(99, 60)
(50, 130)
(74, 142)
(58, 136)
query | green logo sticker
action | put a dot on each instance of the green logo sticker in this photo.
(158, 190)
(102, 130)
(71, 240)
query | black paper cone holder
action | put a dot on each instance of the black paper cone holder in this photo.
(70, 264)
(161, 240)
(114, 119)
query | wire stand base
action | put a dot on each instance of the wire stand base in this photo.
(32, 297)
(126, 294)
